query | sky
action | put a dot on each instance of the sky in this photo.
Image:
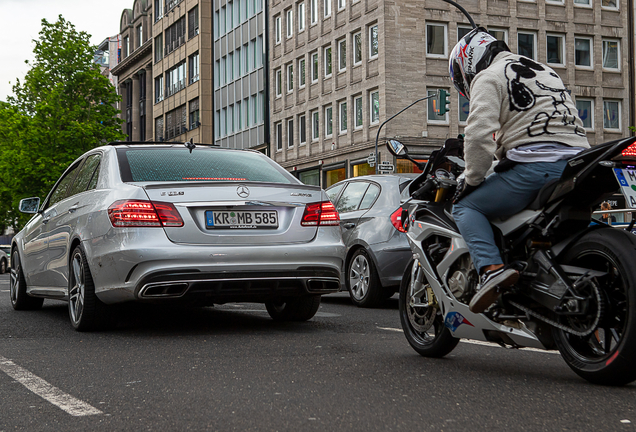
(22, 21)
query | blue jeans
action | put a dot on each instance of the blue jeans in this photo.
(500, 195)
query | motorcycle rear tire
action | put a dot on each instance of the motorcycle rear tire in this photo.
(594, 358)
(437, 345)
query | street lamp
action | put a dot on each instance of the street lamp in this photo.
(377, 137)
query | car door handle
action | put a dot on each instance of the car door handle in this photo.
(349, 225)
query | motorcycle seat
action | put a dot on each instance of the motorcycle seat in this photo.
(543, 195)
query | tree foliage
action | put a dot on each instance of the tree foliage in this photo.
(62, 108)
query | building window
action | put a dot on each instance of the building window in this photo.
(175, 79)
(342, 55)
(140, 35)
(357, 102)
(176, 122)
(609, 4)
(462, 31)
(357, 49)
(290, 78)
(327, 8)
(237, 63)
(279, 83)
(527, 45)
(126, 46)
(175, 35)
(328, 122)
(301, 73)
(158, 16)
(302, 129)
(193, 65)
(238, 114)
(194, 114)
(290, 133)
(314, 67)
(585, 3)
(556, 49)
(342, 4)
(342, 123)
(289, 23)
(586, 112)
(229, 64)
(313, 6)
(464, 108)
(555, 1)
(159, 129)
(610, 54)
(499, 34)
(373, 42)
(278, 29)
(612, 115)
(279, 136)
(374, 107)
(158, 47)
(222, 71)
(327, 62)
(301, 16)
(436, 40)
(193, 22)
(583, 52)
(315, 126)
(432, 115)
(159, 88)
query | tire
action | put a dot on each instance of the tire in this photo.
(85, 310)
(436, 341)
(607, 355)
(3, 266)
(20, 300)
(363, 282)
(293, 309)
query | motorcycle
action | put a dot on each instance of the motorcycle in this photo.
(577, 286)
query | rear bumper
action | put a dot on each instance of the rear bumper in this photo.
(391, 259)
(143, 265)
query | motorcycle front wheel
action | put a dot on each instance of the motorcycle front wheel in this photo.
(605, 356)
(421, 319)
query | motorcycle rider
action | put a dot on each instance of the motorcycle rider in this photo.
(528, 111)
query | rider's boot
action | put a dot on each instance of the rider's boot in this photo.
(491, 285)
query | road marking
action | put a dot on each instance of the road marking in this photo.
(483, 343)
(37, 385)
(318, 314)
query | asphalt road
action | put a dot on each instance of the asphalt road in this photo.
(232, 368)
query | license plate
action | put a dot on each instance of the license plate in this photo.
(241, 219)
(627, 179)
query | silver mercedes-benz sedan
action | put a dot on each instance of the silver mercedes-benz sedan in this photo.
(161, 222)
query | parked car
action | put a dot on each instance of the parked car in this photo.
(164, 222)
(377, 248)
(4, 260)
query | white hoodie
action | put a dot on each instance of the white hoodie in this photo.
(521, 102)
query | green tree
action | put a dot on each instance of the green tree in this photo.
(62, 108)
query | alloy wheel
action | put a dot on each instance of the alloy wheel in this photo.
(77, 292)
(15, 277)
(359, 276)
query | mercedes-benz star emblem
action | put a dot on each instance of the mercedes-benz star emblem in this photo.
(243, 191)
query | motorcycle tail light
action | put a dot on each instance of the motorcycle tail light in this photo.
(142, 213)
(629, 151)
(321, 213)
(396, 220)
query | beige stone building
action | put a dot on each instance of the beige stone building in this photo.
(339, 68)
(133, 71)
(164, 72)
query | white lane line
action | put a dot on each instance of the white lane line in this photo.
(37, 385)
(483, 343)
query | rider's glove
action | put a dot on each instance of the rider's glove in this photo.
(463, 189)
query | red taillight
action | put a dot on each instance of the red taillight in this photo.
(322, 213)
(396, 220)
(629, 151)
(141, 213)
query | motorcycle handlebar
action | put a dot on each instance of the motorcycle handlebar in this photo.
(428, 186)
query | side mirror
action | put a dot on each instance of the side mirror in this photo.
(396, 148)
(30, 205)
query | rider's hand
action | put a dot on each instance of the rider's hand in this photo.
(463, 189)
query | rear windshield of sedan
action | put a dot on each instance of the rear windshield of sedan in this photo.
(203, 164)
